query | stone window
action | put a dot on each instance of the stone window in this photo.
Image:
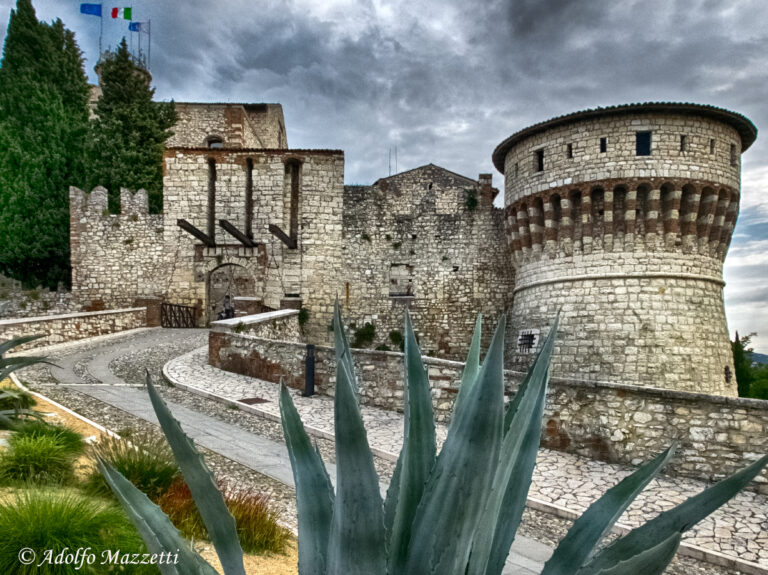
(712, 146)
(642, 143)
(214, 142)
(539, 157)
(603, 145)
(569, 151)
(517, 169)
(211, 198)
(400, 280)
(734, 156)
(683, 143)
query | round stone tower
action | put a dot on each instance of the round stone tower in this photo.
(621, 217)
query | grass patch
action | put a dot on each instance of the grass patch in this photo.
(60, 519)
(36, 459)
(11, 398)
(146, 461)
(257, 525)
(68, 438)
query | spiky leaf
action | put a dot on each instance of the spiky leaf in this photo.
(589, 529)
(651, 561)
(460, 481)
(357, 540)
(314, 492)
(419, 448)
(471, 367)
(11, 343)
(155, 528)
(676, 520)
(217, 519)
(504, 508)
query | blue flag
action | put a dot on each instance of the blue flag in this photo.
(134, 26)
(92, 9)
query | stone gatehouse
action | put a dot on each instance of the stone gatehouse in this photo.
(621, 217)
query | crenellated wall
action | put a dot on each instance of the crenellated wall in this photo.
(628, 242)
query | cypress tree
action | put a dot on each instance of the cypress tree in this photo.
(43, 131)
(742, 363)
(129, 131)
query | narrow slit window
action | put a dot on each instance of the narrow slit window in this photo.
(517, 169)
(642, 143)
(712, 146)
(734, 155)
(569, 151)
(683, 143)
(603, 145)
(211, 198)
(539, 160)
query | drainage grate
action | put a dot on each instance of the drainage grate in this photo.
(252, 400)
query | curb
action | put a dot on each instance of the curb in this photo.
(685, 549)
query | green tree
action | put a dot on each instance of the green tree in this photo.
(129, 131)
(742, 363)
(43, 130)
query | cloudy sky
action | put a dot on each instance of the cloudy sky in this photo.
(446, 81)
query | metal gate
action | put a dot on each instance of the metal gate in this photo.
(172, 315)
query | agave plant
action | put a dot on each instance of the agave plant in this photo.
(16, 404)
(457, 512)
(452, 513)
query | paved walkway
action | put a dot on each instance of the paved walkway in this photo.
(85, 366)
(738, 530)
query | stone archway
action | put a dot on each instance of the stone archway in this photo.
(225, 283)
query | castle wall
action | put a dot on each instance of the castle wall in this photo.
(116, 258)
(310, 273)
(238, 125)
(629, 247)
(415, 232)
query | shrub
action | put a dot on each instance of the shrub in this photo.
(68, 438)
(64, 519)
(471, 200)
(13, 399)
(257, 525)
(364, 336)
(396, 337)
(303, 316)
(146, 461)
(38, 459)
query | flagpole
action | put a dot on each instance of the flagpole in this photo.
(149, 48)
(101, 31)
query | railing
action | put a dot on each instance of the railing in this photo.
(177, 316)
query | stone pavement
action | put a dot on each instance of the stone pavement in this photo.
(84, 366)
(567, 482)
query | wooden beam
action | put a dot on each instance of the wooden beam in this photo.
(189, 228)
(237, 234)
(283, 237)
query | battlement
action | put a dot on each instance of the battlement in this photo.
(96, 201)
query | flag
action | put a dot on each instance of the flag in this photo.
(135, 26)
(123, 13)
(92, 9)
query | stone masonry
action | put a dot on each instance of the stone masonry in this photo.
(621, 218)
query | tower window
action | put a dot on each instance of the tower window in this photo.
(734, 156)
(539, 160)
(603, 145)
(683, 143)
(642, 143)
(712, 146)
(214, 142)
(569, 151)
(517, 169)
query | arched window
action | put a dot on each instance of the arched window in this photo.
(214, 142)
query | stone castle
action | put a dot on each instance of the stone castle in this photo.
(620, 217)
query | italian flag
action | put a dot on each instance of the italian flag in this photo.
(124, 13)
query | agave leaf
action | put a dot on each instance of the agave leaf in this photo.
(471, 367)
(341, 346)
(589, 529)
(677, 520)
(5, 422)
(393, 494)
(455, 494)
(155, 528)
(217, 519)
(314, 492)
(357, 542)
(11, 364)
(651, 561)
(419, 448)
(10, 344)
(505, 505)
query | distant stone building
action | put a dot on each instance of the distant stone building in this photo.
(620, 217)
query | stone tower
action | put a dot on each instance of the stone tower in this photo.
(622, 218)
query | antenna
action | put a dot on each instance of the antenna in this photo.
(390, 160)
